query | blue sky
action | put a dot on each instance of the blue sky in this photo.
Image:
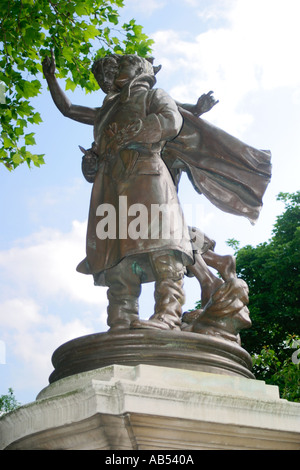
(246, 52)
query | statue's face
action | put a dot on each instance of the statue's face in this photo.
(106, 74)
(129, 68)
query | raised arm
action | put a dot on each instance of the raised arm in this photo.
(77, 113)
(204, 104)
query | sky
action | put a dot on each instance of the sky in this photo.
(246, 51)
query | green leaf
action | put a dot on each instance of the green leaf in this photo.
(70, 85)
(29, 139)
(37, 118)
(113, 19)
(7, 143)
(74, 30)
(16, 158)
(90, 32)
(68, 53)
(81, 9)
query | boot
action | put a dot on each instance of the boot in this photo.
(121, 312)
(169, 294)
(169, 297)
(123, 292)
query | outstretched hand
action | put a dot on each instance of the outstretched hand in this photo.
(205, 103)
(49, 65)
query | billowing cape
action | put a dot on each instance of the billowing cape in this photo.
(231, 174)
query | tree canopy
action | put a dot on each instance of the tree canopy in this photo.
(272, 272)
(78, 31)
(8, 402)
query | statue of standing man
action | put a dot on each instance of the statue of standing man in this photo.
(143, 140)
(130, 131)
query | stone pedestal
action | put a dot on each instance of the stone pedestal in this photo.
(139, 407)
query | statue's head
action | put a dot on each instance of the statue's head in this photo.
(132, 66)
(105, 71)
(121, 69)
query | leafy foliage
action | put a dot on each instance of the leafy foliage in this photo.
(281, 369)
(271, 271)
(79, 31)
(8, 402)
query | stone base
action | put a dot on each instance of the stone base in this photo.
(153, 408)
(186, 350)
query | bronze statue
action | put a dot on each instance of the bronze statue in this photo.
(143, 140)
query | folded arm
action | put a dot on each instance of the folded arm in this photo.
(163, 123)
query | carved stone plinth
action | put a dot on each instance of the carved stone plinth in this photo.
(153, 408)
(189, 351)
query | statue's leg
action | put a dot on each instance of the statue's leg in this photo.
(169, 294)
(169, 298)
(124, 288)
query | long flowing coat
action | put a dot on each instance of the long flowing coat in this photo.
(133, 183)
(231, 174)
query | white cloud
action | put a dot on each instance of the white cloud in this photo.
(147, 7)
(254, 51)
(31, 337)
(45, 263)
(44, 302)
(19, 314)
(268, 31)
(32, 333)
(213, 9)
